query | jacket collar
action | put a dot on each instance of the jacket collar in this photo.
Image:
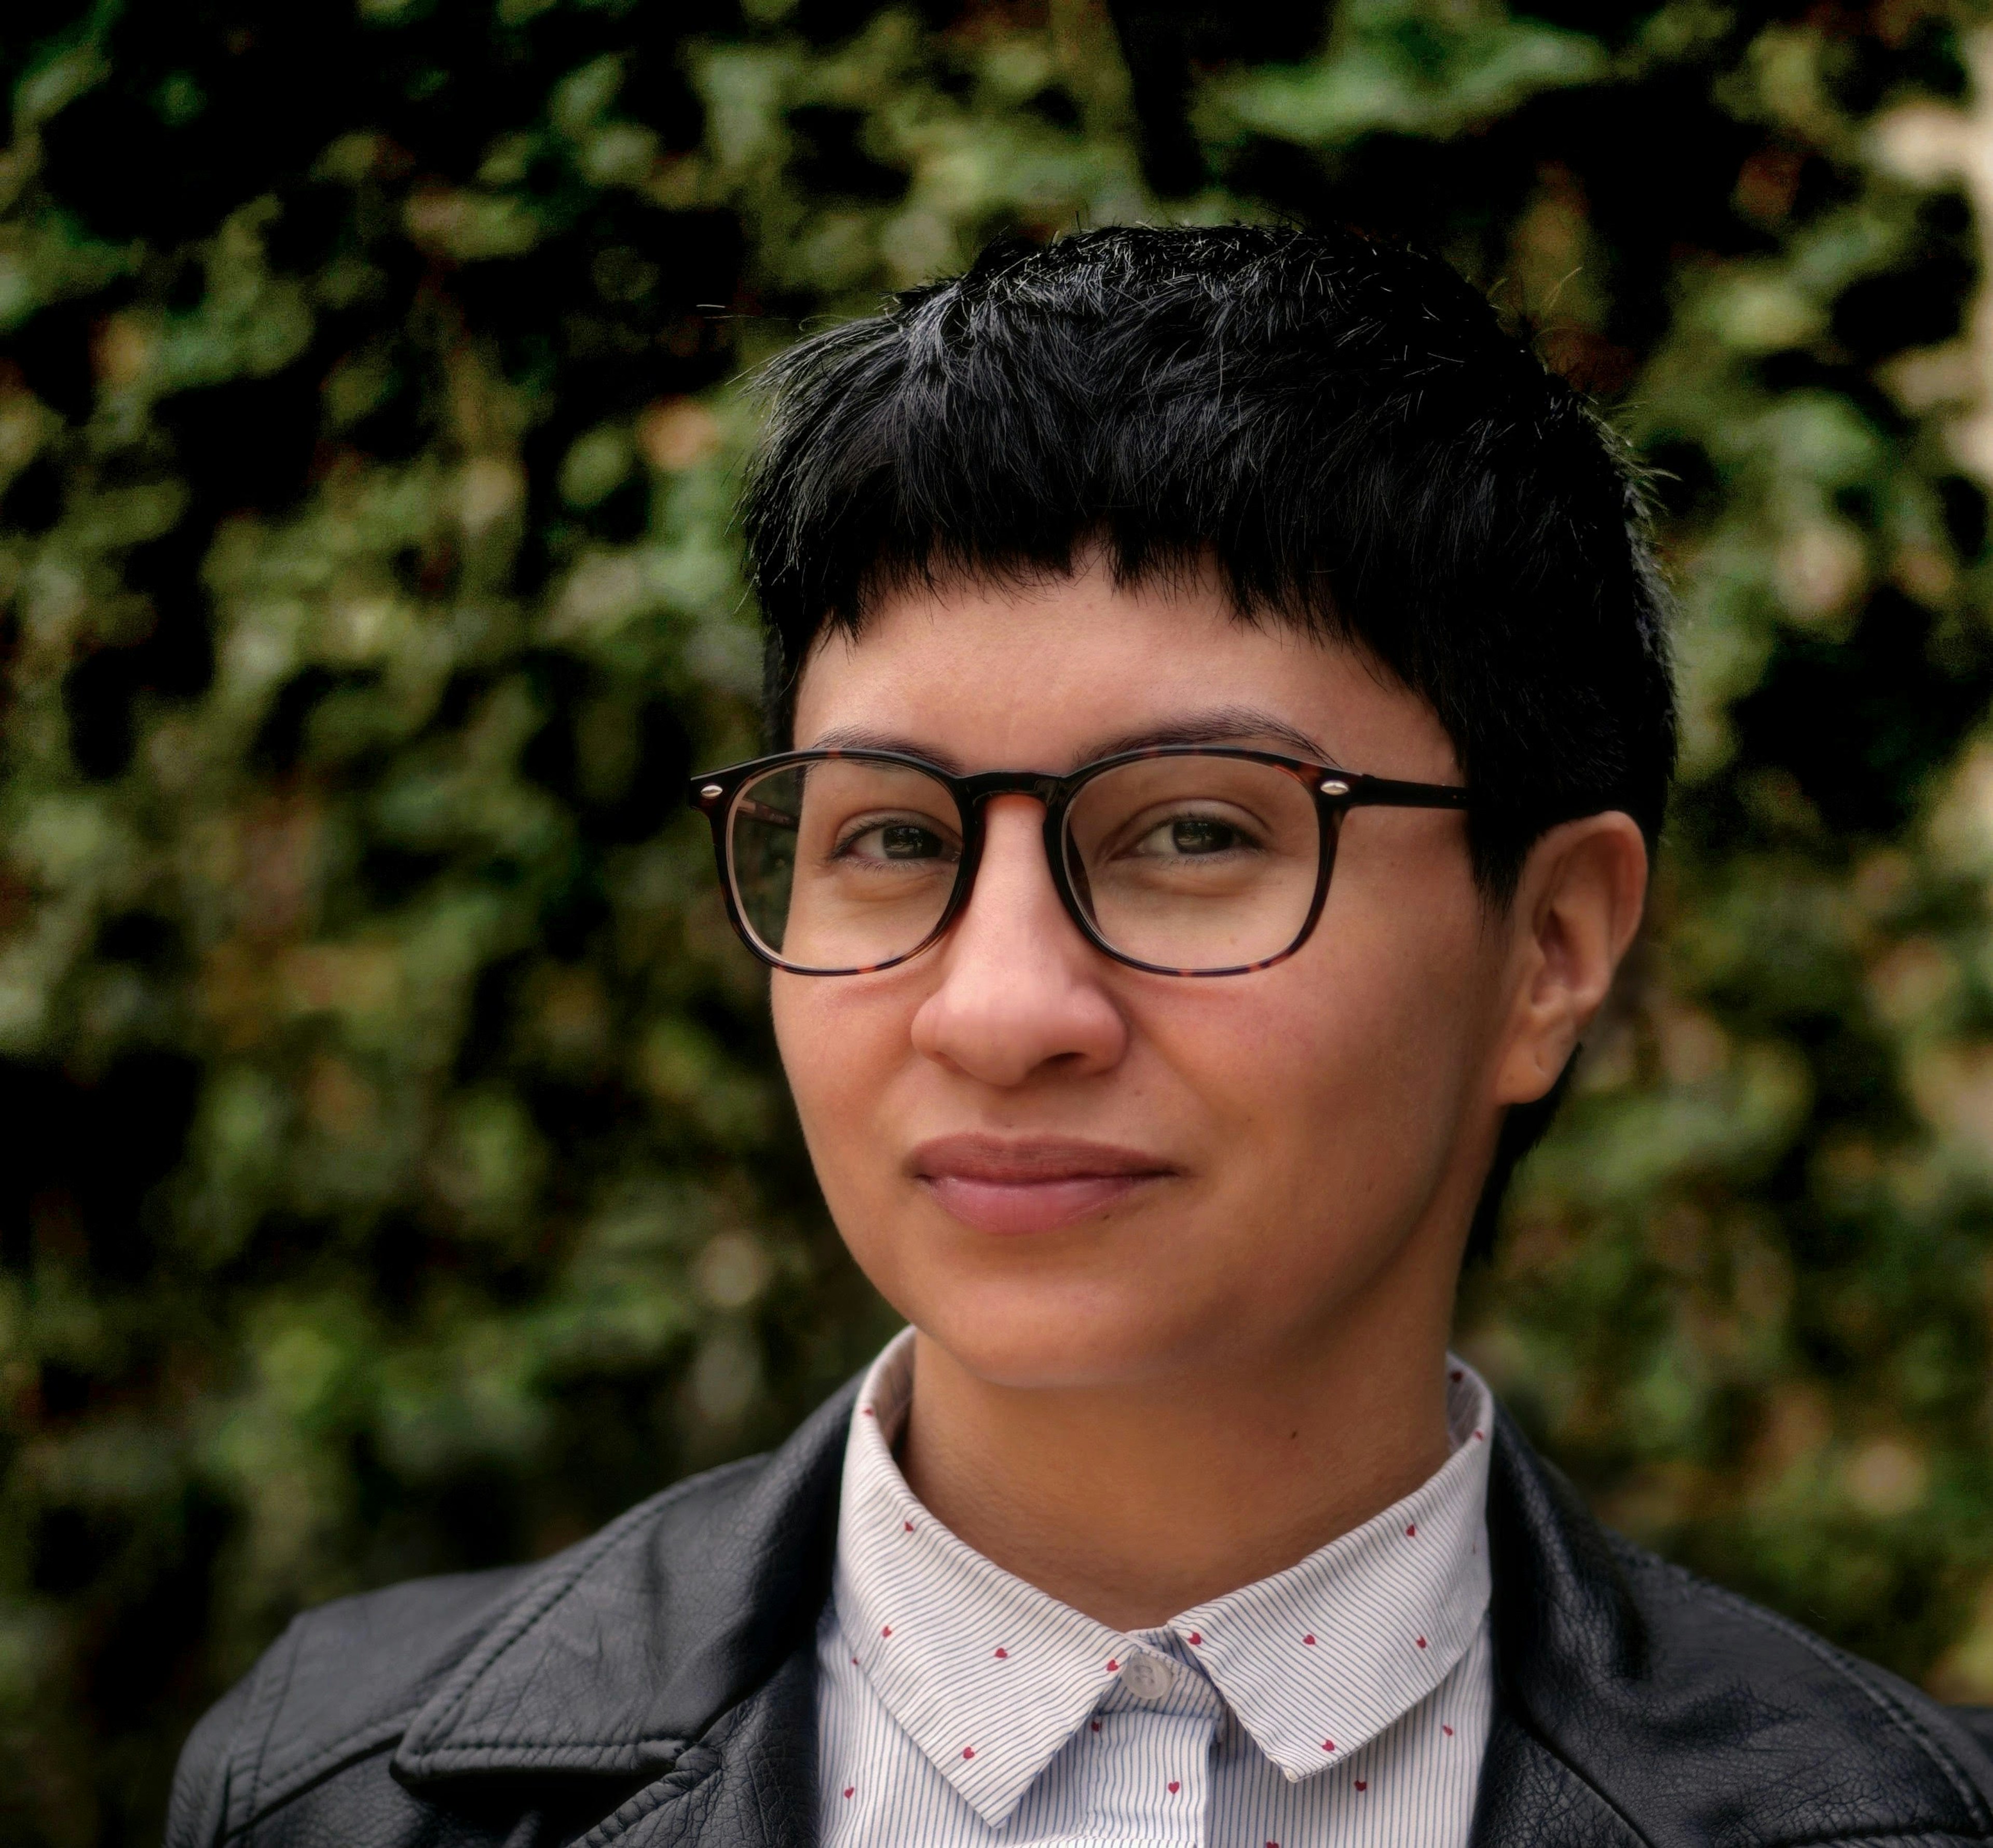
(636, 1654)
(1636, 1704)
(673, 1653)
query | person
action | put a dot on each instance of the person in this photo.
(1225, 719)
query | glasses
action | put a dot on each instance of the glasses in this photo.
(1181, 859)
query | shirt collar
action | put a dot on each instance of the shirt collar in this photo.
(989, 1676)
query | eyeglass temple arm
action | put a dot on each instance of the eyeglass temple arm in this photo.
(760, 811)
(709, 798)
(1381, 792)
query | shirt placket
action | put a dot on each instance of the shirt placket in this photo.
(1149, 1752)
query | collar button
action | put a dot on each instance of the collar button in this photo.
(1147, 1677)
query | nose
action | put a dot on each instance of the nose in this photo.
(1019, 990)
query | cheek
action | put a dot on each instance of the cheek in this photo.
(840, 1039)
(807, 1037)
(1350, 1064)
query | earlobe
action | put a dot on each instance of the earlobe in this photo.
(1577, 909)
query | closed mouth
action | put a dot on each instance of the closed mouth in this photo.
(1018, 1185)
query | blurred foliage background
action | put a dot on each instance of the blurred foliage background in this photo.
(397, 1174)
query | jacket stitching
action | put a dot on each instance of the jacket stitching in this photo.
(290, 1792)
(1905, 1721)
(376, 1732)
(552, 1748)
(351, 1750)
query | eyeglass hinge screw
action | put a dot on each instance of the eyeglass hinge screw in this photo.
(710, 789)
(1334, 786)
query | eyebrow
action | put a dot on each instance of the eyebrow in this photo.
(1215, 725)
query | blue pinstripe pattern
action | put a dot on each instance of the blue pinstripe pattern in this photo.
(1344, 1701)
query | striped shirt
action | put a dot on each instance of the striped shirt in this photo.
(1344, 1701)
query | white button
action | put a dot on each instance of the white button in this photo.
(1148, 1677)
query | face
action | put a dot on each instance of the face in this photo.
(1069, 1173)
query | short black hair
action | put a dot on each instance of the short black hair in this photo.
(1340, 423)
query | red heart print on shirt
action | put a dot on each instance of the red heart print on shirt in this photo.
(1003, 1655)
(1175, 1787)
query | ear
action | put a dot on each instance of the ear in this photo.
(1576, 907)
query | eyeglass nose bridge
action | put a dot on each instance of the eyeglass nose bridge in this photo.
(975, 793)
(1044, 785)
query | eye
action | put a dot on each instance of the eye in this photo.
(1192, 837)
(905, 840)
(1202, 834)
(896, 840)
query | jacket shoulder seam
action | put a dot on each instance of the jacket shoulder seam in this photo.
(270, 1691)
(1905, 1721)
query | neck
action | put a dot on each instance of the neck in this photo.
(1133, 1503)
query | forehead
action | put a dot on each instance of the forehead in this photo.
(1047, 674)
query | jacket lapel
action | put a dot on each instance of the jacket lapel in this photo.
(750, 1783)
(1636, 1704)
(1529, 1795)
(672, 1656)
(1564, 1623)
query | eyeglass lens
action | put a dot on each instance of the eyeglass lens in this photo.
(1192, 862)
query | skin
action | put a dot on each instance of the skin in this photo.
(1158, 1385)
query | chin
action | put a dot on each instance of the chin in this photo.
(1034, 1337)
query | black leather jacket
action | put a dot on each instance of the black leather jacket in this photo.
(655, 1686)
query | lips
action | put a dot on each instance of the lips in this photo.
(1014, 1186)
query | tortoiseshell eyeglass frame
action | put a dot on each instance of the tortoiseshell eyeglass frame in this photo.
(1335, 791)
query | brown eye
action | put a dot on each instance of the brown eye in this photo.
(900, 841)
(1199, 834)
(905, 841)
(1191, 837)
